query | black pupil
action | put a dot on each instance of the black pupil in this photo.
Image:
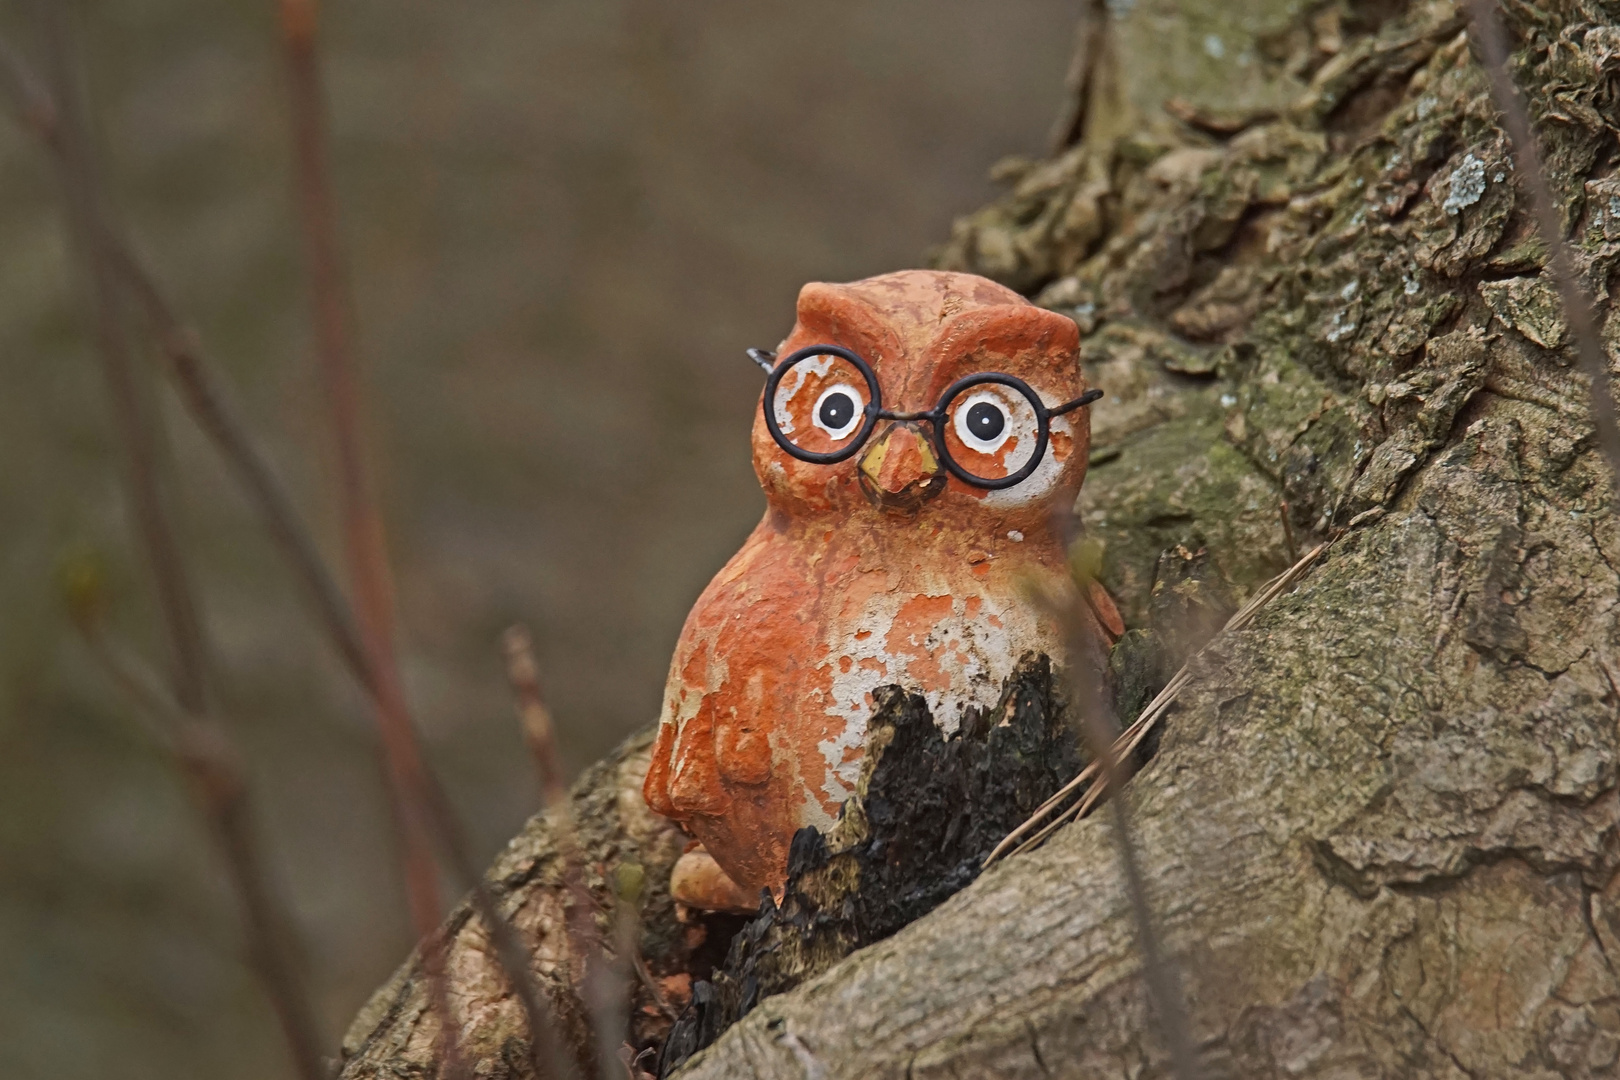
(985, 421)
(837, 410)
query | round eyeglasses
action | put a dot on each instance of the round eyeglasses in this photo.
(990, 430)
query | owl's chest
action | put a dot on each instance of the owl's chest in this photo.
(792, 638)
(820, 602)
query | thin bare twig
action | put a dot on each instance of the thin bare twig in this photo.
(194, 739)
(539, 733)
(210, 406)
(1578, 313)
(204, 397)
(30, 100)
(607, 984)
(421, 807)
(78, 173)
(201, 392)
(1079, 82)
(1100, 729)
(212, 769)
(604, 986)
(605, 989)
(364, 545)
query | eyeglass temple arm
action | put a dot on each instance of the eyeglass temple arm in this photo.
(765, 358)
(1084, 399)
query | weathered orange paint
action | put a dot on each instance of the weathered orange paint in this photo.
(836, 593)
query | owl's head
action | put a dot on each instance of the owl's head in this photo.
(923, 392)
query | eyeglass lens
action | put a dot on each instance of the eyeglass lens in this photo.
(820, 403)
(990, 430)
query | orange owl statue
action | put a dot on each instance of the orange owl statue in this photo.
(916, 432)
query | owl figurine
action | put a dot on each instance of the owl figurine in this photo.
(916, 433)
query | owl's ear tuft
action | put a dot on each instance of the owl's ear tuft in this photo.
(826, 303)
(907, 300)
(1011, 329)
(839, 315)
(895, 312)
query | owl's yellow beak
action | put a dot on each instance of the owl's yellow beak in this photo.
(899, 470)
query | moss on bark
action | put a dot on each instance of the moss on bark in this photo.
(1381, 830)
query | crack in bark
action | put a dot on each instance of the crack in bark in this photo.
(1365, 882)
(814, 1068)
(1438, 1045)
(1442, 883)
(1035, 1048)
(1588, 896)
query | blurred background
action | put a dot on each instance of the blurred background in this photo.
(565, 220)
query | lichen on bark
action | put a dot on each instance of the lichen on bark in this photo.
(1381, 827)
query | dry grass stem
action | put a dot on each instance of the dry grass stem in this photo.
(1142, 726)
(1487, 32)
(644, 976)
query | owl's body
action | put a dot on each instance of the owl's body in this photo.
(904, 575)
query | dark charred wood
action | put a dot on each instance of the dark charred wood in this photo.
(929, 809)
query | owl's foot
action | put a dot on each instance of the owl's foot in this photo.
(697, 881)
(1102, 605)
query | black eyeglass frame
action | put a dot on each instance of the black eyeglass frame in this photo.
(874, 411)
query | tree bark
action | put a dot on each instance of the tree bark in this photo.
(397, 1034)
(1380, 830)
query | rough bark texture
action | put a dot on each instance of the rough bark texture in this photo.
(1380, 831)
(395, 1033)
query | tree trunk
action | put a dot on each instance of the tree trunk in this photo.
(1380, 831)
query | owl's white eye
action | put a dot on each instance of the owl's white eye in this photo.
(838, 410)
(983, 422)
